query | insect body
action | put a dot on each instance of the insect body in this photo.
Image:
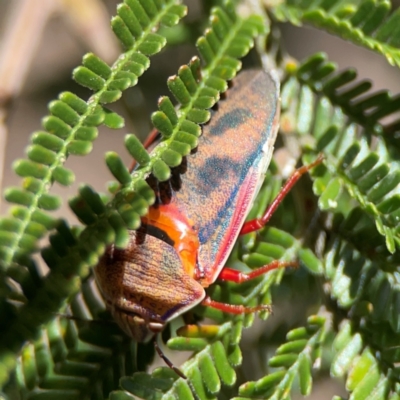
(186, 237)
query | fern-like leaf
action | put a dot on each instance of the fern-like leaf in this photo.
(370, 24)
(359, 189)
(72, 124)
(367, 377)
(80, 358)
(69, 257)
(360, 167)
(358, 236)
(294, 359)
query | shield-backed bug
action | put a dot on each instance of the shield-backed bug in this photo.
(187, 235)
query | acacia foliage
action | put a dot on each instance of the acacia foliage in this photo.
(348, 248)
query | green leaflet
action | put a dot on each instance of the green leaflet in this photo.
(72, 125)
(371, 24)
(294, 359)
(358, 172)
(352, 268)
(71, 254)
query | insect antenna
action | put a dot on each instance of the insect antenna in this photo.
(167, 360)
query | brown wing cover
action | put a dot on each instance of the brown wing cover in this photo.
(147, 279)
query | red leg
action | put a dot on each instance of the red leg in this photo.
(228, 274)
(258, 223)
(234, 309)
(232, 275)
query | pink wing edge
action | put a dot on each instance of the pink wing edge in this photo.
(247, 195)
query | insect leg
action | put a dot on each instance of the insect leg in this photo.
(233, 275)
(233, 308)
(258, 223)
(167, 360)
